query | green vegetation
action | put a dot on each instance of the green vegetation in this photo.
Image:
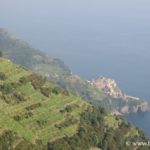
(2, 76)
(95, 132)
(112, 122)
(38, 115)
(29, 112)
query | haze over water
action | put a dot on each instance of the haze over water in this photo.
(110, 38)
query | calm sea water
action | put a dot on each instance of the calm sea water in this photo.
(141, 120)
(95, 38)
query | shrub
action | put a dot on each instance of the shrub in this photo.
(6, 140)
(19, 96)
(2, 76)
(66, 123)
(33, 106)
(23, 80)
(22, 116)
(45, 91)
(41, 123)
(6, 88)
(37, 81)
(59, 90)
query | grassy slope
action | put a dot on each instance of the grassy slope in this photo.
(39, 123)
(49, 111)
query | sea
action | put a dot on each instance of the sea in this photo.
(94, 38)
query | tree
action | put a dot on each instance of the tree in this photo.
(2, 76)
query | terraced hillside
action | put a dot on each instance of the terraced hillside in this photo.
(34, 108)
(38, 115)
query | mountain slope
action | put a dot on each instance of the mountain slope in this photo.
(38, 115)
(22, 53)
(56, 71)
(31, 107)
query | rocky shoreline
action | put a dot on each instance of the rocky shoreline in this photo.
(110, 87)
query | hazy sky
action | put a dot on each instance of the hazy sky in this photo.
(94, 37)
(75, 19)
